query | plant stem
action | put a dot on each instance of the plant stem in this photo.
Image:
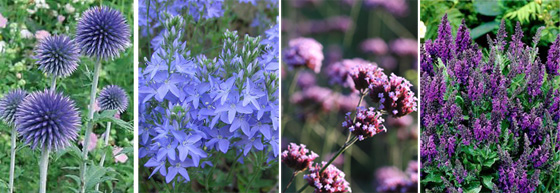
(291, 180)
(233, 166)
(90, 125)
(340, 151)
(354, 12)
(13, 158)
(102, 162)
(53, 84)
(252, 179)
(43, 168)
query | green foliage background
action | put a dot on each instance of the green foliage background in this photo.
(18, 70)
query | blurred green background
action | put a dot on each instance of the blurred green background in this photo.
(18, 70)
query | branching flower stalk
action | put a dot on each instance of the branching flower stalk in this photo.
(102, 33)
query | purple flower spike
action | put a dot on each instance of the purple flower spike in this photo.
(368, 123)
(394, 95)
(444, 42)
(298, 157)
(57, 56)
(331, 180)
(553, 58)
(48, 119)
(463, 40)
(304, 52)
(10, 103)
(102, 33)
(113, 97)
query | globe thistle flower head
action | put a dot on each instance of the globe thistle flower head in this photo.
(298, 157)
(330, 180)
(10, 103)
(103, 33)
(57, 55)
(304, 52)
(368, 123)
(365, 73)
(113, 97)
(394, 95)
(48, 119)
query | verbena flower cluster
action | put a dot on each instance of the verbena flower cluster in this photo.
(194, 106)
(488, 121)
(392, 179)
(392, 96)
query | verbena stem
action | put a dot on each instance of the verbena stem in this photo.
(349, 141)
(43, 168)
(89, 126)
(102, 162)
(291, 180)
(13, 157)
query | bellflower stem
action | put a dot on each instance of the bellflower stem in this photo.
(13, 158)
(90, 125)
(43, 168)
(102, 162)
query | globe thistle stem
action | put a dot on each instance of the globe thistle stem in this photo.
(43, 167)
(13, 158)
(53, 83)
(102, 162)
(91, 110)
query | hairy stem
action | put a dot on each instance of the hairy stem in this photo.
(43, 168)
(13, 158)
(102, 162)
(89, 126)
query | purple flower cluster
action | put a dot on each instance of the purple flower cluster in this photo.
(304, 52)
(329, 181)
(376, 46)
(298, 157)
(338, 72)
(193, 107)
(368, 122)
(473, 104)
(327, 99)
(392, 179)
(393, 95)
(332, 24)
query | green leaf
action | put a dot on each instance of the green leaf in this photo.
(109, 115)
(488, 8)
(483, 29)
(474, 189)
(433, 178)
(487, 181)
(74, 177)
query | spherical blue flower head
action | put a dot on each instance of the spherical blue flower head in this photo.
(57, 55)
(103, 33)
(48, 119)
(10, 103)
(113, 97)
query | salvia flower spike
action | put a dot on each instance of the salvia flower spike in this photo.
(48, 119)
(57, 55)
(102, 33)
(113, 97)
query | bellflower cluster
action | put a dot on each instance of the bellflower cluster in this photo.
(194, 107)
(484, 105)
